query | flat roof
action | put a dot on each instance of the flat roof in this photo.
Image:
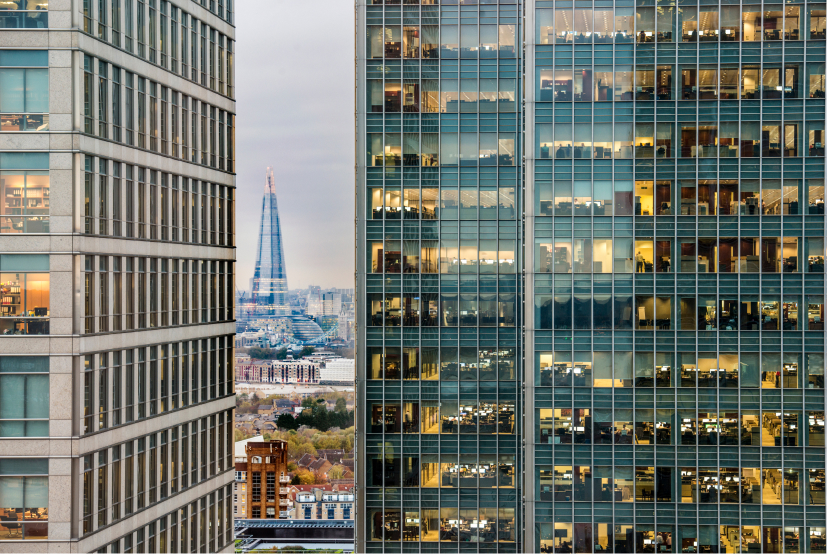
(295, 523)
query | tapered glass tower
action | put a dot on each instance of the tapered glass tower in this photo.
(269, 296)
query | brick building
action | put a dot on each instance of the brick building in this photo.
(267, 480)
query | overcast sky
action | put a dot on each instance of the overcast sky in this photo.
(294, 88)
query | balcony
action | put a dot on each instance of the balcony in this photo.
(284, 479)
(284, 502)
(284, 515)
(284, 490)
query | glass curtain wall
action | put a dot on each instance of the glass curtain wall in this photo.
(678, 277)
(441, 281)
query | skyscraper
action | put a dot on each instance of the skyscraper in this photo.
(269, 298)
(669, 336)
(117, 237)
(439, 290)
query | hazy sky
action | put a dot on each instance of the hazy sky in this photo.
(294, 87)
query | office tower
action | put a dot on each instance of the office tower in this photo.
(116, 233)
(438, 283)
(270, 279)
(672, 240)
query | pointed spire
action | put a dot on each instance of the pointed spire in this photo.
(269, 182)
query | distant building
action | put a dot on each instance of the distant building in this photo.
(338, 370)
(279, 372)
(294, 371)
(269, 294)
(267, 480)
(323, 505)
(251, 371)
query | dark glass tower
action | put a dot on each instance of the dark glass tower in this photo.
(439, 345)
(269, 295)
(674, 259)
(665, 352)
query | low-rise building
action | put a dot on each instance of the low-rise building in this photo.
(323, 505)
(294, 371)
(251, 371)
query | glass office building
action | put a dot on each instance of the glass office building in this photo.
(439, 281)
(668, 330)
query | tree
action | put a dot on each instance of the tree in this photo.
(306, 351)
(258, 353)
(240, 435)
(336, 472)
(286, 421)
(281, 354)
(341, 406)
(305, 477)
(308, 402)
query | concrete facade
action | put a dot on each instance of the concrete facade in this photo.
(106, 368)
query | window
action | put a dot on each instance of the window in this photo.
(24, 497)
(24, 90)
(24, 294)
(24, 396)
(25, 15)
(25, 195)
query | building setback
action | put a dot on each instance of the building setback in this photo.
(117, 180)
(627, 252)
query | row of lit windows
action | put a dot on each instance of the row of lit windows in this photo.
(131, 201)
(747, 23)
(744, 139)
(131, 476)
(622, 197)
(768, 428)
(487, 471)
(563, 311)
(163, 41)
(767, 370)
(130, 385)
(138, 112)
(488, 525)
(625, 537)
(622, 82)
(152, 292)
(599, 256)
(619, 369)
